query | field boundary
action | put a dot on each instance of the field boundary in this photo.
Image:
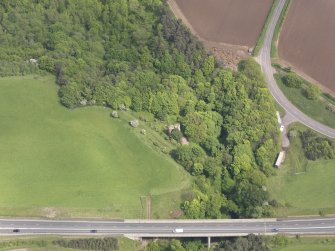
(260, 40)
(284, 64)
(178, 14)
(225, 51)
(316, 109)
(279, 25)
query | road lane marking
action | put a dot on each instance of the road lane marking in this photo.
(307, 220)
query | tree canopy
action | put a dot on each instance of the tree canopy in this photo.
(135, 54)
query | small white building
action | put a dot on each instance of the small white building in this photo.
(279, 118)
(33, 61)
(172, 127)
(280, 159)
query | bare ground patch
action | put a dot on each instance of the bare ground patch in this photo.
(231, 55)
(49, 212)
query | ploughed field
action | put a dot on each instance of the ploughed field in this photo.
(237, 22)
(60, 162)
(307, 39)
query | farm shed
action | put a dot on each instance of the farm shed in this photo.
(280, 159)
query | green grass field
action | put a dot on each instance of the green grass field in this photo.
(303, 187)
(309, 247)
(310, 244)
(315, 109)
(75, 162)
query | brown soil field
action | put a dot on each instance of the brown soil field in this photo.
(237, 22)
(307, 40)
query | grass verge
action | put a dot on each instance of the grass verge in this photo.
(274, 49)
(303, 187)
(46, 243)
(309, 244)
(316, 109)
(261, 38)
(56, 162)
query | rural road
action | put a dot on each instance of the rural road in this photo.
(164, 228)
(264, 59)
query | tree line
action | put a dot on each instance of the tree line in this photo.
(135, 54)
(248, 243)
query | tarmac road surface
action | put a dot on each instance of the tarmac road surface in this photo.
(164, 228)
(264, 59)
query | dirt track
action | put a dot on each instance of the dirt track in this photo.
(307, 40)
(237, 22)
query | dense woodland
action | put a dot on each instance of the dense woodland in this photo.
(249, 243)
(134, 53)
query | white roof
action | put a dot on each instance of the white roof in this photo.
(280, 158)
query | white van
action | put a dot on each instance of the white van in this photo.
(178, 230)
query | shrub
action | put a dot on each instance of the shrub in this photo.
(104, 244)
(279, 241)
(322, 213)
(134, 123)
(312, 92)
(330, 97)
(70, 95)
(47, 63)
(114, 114)
(188, 155)
(330, 107)
(60, 78)
(176, 135)
(293, 134)
(292, 80)
(197, 169)
(316, 147)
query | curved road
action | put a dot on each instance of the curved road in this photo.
(264, 59)
(164, 228)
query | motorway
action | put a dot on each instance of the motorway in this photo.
(164, 228)
(264, 59)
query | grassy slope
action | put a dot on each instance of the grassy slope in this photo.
(261, 38)
(309, 247)
(310, 244)
(304, 186)
(315, 109)
(45, 244)
(80, 161)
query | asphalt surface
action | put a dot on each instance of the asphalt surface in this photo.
(192, 228)
(157, 228)
(264, 59)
